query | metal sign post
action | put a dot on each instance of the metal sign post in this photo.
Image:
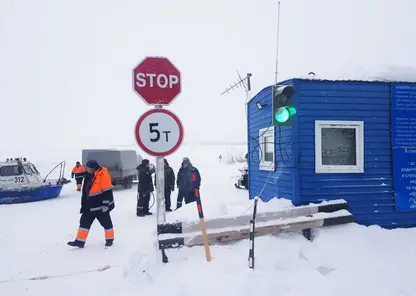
(158, 132)
(160, 188)
(160, 196)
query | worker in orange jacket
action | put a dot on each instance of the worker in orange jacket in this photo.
(96, 203)
(78, 172)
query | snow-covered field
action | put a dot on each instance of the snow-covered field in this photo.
(342, 260)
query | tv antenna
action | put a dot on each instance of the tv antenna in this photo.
(245, 82)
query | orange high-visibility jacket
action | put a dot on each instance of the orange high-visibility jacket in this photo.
(78, 171)
(101, 191)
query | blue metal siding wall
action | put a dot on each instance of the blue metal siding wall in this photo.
(278, 183)
(370, 195)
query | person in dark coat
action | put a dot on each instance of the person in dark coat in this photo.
(97, 202)
(169, 185)
(187, 181)
(144, 188)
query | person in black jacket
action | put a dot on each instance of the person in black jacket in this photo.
(97, 202)
(144, 188)
(188, 180)
(169, 185)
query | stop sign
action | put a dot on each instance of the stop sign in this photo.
(156, 80)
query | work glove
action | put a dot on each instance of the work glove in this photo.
(172, 188)
(104, 209)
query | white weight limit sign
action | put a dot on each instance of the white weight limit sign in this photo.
(159, 132)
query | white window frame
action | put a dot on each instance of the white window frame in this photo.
(359, 136)
(264, 133)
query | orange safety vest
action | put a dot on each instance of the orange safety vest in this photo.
(79, 169)
(101, 182)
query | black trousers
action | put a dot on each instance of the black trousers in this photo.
(79, 182)
(143, 201)
(167, 199)
(103, 218)
(188, 196)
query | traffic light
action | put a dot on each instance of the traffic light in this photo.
(282, 104)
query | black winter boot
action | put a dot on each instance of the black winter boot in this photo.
(140, 214)
(76, 243)
(109, 243)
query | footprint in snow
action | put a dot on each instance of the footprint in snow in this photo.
(325, 270)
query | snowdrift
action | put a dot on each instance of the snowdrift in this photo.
(342, 260)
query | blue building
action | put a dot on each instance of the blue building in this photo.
(348, 140)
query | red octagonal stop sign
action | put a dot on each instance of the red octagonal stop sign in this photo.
(156, 80)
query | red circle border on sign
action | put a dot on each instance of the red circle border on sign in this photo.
(147, 150)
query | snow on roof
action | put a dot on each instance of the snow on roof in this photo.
(388, 74)
(405, 74)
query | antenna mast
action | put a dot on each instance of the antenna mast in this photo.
(277, 43)
(245, 82)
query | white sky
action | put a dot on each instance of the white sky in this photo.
(65, 66)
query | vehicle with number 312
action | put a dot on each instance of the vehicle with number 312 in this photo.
(21, 182)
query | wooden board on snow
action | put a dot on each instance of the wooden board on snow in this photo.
(227, 234)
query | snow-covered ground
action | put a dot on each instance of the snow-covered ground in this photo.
(342, 260)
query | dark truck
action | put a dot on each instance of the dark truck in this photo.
(121, 164)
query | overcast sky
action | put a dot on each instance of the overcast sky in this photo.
(65, 66)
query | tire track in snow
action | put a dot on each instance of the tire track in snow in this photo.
(45, 277)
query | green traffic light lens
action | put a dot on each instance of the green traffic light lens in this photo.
(282, 115)
(292, 111)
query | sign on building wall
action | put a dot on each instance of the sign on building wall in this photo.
(403, 123)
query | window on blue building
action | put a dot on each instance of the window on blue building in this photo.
(339, 146)
(266, 148)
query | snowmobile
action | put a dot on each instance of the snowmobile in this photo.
(242, 181)
(21, 182)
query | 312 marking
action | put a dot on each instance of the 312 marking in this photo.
(19, 179)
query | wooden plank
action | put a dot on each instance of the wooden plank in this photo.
(193, 226)
(269, 227)
(234, 235)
